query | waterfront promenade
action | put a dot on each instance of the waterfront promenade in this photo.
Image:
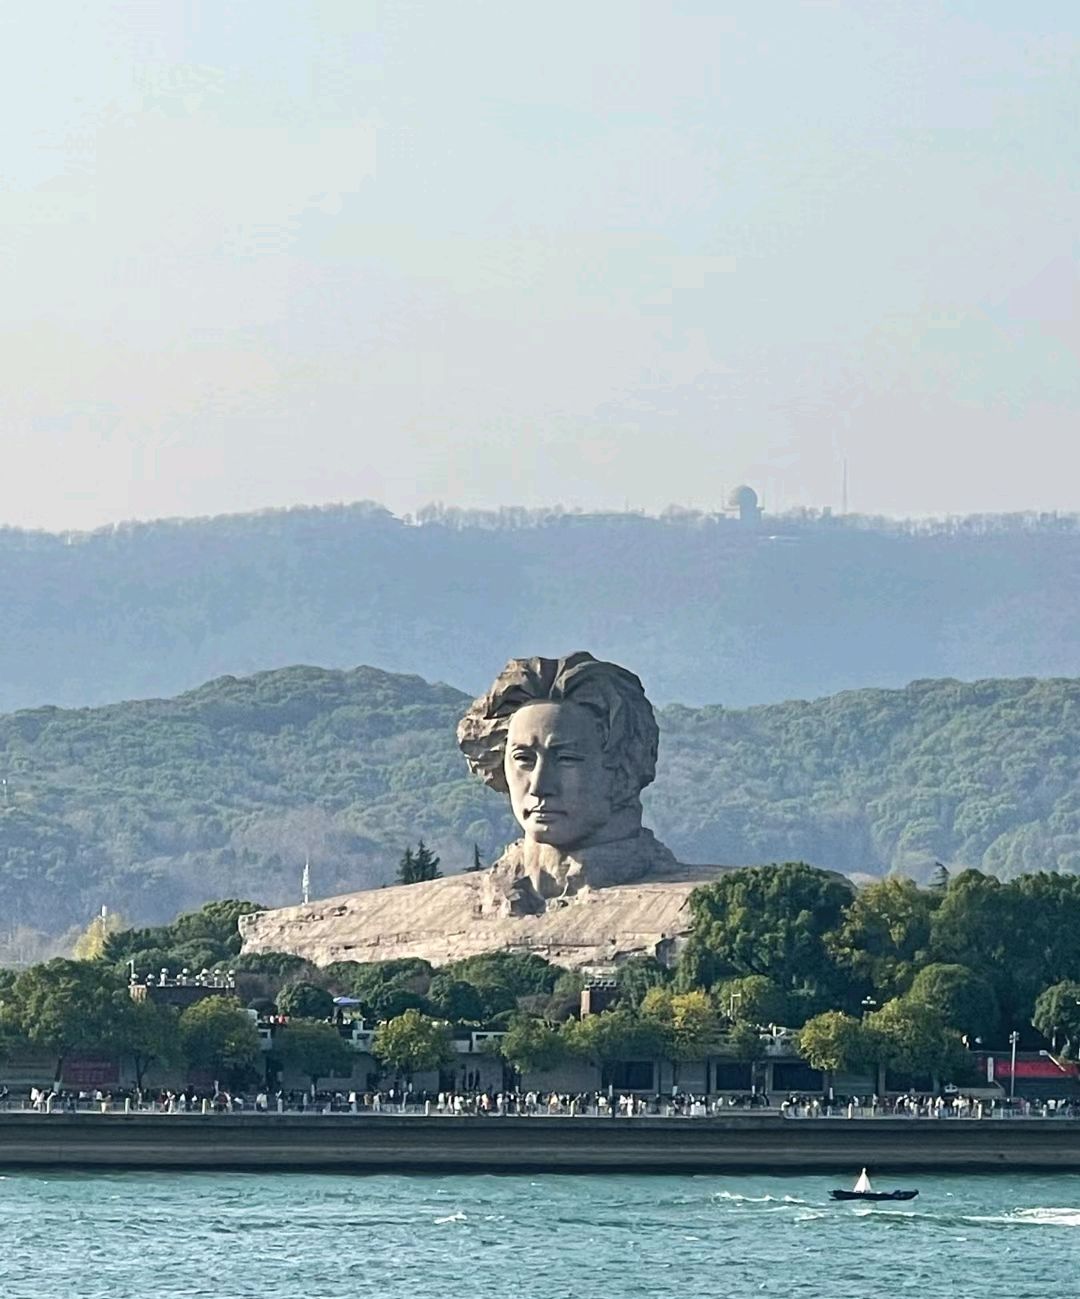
(758, 1141)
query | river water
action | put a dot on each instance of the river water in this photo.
(294, 1236)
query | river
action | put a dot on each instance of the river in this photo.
(299, 1236)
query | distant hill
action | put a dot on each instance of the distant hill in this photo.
(703, 608)
(155, 806)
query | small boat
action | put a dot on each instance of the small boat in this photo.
(862, 1190)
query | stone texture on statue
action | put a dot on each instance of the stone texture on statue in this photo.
(572, 742)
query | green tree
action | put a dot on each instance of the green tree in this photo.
(978, 925)
(1057, 1012)
(616, 1036)
(215, 923)
(406, 871)
(273, 964)
(67, 1006)
(772, 920)
(304, 1001)
(148, 1034)
(637, 975)
(743, 1041)
(414, 868)
(412, 1043)
(314, 1049)
(753, 999)
(885, 935)
(914, 1038)
(477, 863)
(965, 1000)
(529, 1045)
(688, 1021)
(456, 1000)
(834, 1042)
(217, 1034)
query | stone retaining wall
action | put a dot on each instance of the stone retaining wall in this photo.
(382, 1143)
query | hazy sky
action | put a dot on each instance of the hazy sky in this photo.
(593, 252)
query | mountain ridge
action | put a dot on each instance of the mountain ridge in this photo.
(701, 606)
(153, 806)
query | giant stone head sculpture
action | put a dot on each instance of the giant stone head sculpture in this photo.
(573, 741)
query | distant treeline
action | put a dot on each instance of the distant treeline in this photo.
(705, 609)
(154, 807)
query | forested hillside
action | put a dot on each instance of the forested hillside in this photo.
(703, 608)
(156, 806)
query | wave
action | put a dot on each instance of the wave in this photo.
(1039, 1217)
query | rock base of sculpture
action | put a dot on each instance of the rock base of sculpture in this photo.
(466, 915)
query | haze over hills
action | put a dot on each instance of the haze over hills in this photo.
(704, 609)
(155, 806)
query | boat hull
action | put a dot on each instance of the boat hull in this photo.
(873, 1195)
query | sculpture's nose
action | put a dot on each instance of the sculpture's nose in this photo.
(541, 781)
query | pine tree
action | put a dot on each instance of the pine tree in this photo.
(425, 864)
(417, 866)
(406, 871)
(477, 864)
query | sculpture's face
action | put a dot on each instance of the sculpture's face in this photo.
(560, 789)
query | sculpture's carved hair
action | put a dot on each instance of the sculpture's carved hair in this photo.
(615, 697)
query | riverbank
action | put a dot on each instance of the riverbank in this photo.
(399, 1143)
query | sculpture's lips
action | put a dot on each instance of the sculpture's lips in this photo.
(543, 813)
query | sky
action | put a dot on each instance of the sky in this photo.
(599, 253)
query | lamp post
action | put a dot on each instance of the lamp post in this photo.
(1014, 1037)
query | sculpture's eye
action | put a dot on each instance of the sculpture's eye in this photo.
(524, 757)
(571, 757)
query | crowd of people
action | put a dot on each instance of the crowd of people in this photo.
(912, 1105)
(403, 1099)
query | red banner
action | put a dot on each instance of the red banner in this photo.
(80, 1072)
(1043, 1067)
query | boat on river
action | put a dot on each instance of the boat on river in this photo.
(863, 1190)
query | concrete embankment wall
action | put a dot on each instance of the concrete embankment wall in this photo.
(391, 1143)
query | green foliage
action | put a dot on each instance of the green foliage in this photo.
(457, 1000)
(617, 1035)
(637, 975)
(772, 920)
(66, 1006)
(216, 1034)
(275, 965)
(317, 1050)
(412, 1043)
(1057, 1015)
(913, 1038)
(833, 1041)
(966, 1001)
(416, 867)
(744, 1042)
(688, 1021)
(303, 1000)
(530, 1045)
(885, 934)
(753, 999)
(195, 940)
(147, 1034)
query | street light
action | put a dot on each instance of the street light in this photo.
(1014, 1037)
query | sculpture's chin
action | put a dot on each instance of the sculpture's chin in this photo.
(553, 836)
